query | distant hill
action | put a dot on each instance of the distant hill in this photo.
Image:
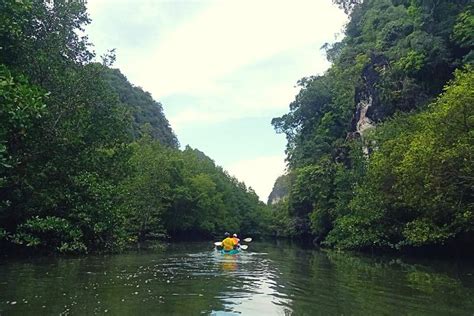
(280, 189)
(144, 109)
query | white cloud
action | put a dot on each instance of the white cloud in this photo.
(228, 35)
(227, 106)
(197, 116)
(259, 173)
(201, 49)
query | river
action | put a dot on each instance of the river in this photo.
(267, 279)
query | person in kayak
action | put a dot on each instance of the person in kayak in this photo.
(236, 241)
(228, 242)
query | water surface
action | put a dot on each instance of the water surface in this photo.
(268, 279)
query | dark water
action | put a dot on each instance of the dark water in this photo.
(268, 279)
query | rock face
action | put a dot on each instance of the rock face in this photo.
(280, 189)
(363, 121)
(368, 107)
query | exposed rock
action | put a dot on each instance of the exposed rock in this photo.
(280, 189)
(368, 107)
(364, 122)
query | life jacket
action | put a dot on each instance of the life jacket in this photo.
(236, 240)
(228, 244)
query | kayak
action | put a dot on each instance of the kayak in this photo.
(229, 252)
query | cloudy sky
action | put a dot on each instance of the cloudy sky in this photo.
(222, 69)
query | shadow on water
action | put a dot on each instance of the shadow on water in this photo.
(277, 278)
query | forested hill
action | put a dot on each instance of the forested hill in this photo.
(379, 155)
(280, 189)
(88, 162)
(145, 110)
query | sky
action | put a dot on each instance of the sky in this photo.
(221, 69)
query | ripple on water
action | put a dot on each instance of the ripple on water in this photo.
(282, 280)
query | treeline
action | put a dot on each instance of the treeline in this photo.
(380, 155)
(88, 161)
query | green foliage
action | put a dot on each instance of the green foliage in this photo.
(88, 161)
(146, 191)
(412, 62)
(464, 29)
(418, 188)
(144, 110)
(281, 223)
(347, 5)
(51, 232)
(405, 183)
(311, 194)
(14, 20)
(314, 121)
(463, 33)
(21, 105)
(206, 200)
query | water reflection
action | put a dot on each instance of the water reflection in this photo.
(268, 279)
(229, 263)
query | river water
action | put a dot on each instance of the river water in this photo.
(267, 279)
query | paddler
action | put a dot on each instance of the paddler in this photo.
(228, 242)
(236, 241)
